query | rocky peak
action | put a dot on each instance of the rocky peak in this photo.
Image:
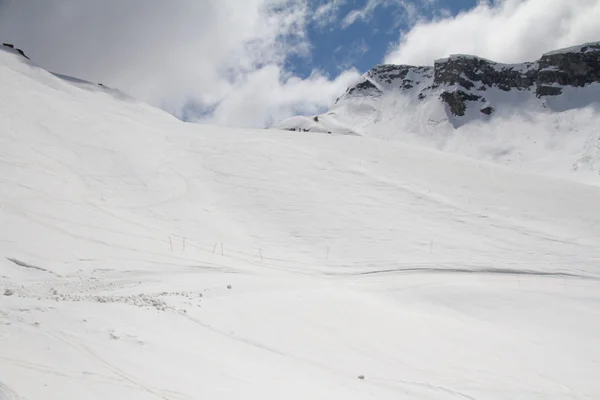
(364, 88)
(460, 79)
(399, 76)
(575, 66)
(464, 78)
(474, 72)
(462, 88)
(389, 77)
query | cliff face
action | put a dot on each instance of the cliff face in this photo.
(473, 72)
(461, 79)
(572, 67)
(389, 77)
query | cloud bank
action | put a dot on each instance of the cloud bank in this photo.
(212, 60)
(409, 10)
(225, 61)
(502, 30)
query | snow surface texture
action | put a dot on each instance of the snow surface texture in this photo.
(145, 258)
(557, 135)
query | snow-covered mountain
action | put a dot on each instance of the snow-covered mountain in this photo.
(542, 116)
(145, 258)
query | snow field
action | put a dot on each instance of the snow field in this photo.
(152, 259)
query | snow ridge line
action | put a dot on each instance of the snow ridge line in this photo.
(27, 265)
(498, 271)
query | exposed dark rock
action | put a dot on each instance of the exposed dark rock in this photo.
(456, 101)
(487, 110)
(570, 68)
(316, 119)
(298, 129)
(388, 76)
(460, 76)
(363, 88)
(466, 71)
(548, 91)
(467, 84)
(12, 46)
(22, 53)
(390, 72)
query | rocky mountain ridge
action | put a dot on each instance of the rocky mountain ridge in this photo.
(541, 116)
(460, 79)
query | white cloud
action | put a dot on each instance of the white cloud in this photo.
(364, 13)
(327, 13)
(503, 30)
(409, 10)
(210, 53)
(267, 96)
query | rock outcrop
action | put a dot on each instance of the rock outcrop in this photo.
(363, 88)
(458, 90)
(457, 99)
(576, 67)
(386, 77)
(472, 72)
(12, 46)
(462, 79)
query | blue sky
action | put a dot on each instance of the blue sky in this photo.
(365, 42)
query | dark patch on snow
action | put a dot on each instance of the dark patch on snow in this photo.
(487, 110)
(457, 101)
(12, 46)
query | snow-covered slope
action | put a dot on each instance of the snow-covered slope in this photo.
(145, 258)
(541, 116)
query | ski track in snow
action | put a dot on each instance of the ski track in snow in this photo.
(7, 394)
(145, 258)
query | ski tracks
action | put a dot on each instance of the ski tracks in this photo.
(6, 393)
